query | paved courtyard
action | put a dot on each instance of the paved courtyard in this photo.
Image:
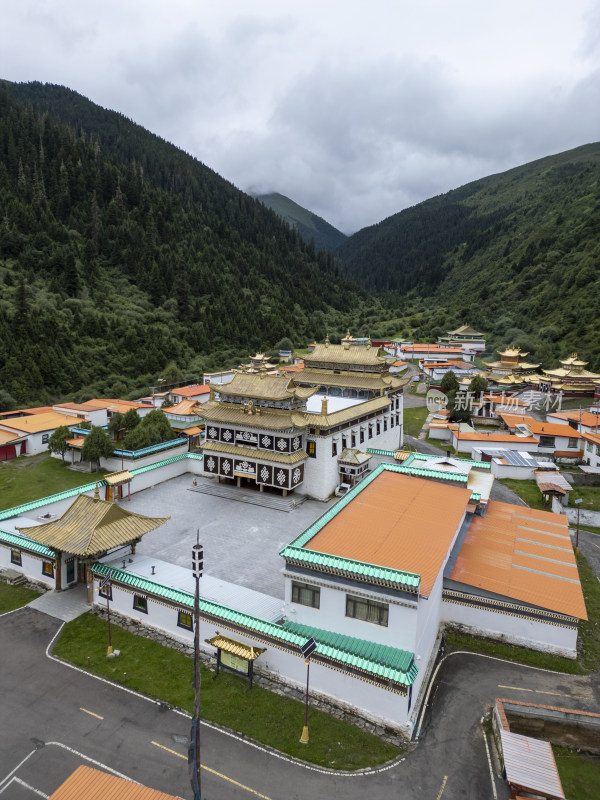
(241, 541)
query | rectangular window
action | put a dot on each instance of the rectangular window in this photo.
(311, 449)
(572, 442)
(45, 438)
(546, 441)
(392, 421)
(589, 447)
(367, 610)
(344, 443)
(353, 441)
(105, 591)
(185, 620)
(140, 603)
(48, 569)
(15, 558)
(598, 449)
(370, 431)
(306, 595)
(334, 448)
(378, 428)
(362, 436)
(384, 424)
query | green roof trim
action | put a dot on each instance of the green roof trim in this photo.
(16, 540)
(359, 654)
(428, 456)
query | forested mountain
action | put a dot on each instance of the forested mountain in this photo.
(121, 256)
(516, 254)
(309, 225)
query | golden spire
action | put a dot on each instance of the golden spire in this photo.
(327, 341)
(96, 492)
(324, 406)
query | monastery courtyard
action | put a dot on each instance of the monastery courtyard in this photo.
(241, 540)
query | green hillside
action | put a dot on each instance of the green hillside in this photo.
(309, 225)
(517, 254)
(122, 257)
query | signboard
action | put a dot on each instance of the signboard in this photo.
(234, 662)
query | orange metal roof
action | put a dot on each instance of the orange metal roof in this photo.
(78, 442)
(523, 553)
(92, 784)
(193, 431)
(36, 423)
(515, 419)
(592, 437)
(77, 406)
(184, 407)
(552, 429)
(587, 418)
(191, 391)
(38, 410)
(9, 436)
(482, 436)
(397, 521)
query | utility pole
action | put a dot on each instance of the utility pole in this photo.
(194, 749)
(578, 503)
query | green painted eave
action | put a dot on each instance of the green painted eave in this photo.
(364, 656)
(23, 543)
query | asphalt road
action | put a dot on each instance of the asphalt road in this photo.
(56, 717)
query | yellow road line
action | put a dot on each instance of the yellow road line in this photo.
(514, 688)
(91, 713)
(441, 792)
(220, 774)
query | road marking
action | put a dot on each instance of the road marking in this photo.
(514, 688)
(441, 791)
(220, 774)
(487, 750)
(91, 713)
(26, 786)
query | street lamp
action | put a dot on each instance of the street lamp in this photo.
(578, 503)
(194, 749)
(105, 584)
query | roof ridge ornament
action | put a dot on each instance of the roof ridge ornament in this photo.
(96, 492)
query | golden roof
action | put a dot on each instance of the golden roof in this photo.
(352, 380)
(513, 366)
(340, 354)
(272, 419)
(115, 478)
(511, 352)
(346, 414)
(263, 387)
(571, 373)
(91, 526)
(254, 453)
(38, 423)
(573, 361)
(465, 330)
(236, 648)
(352, 456)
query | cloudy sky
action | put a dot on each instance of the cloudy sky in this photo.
(353, 108)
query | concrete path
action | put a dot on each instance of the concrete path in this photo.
(66, 605)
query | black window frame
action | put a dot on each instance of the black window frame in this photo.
(375, 613)
(140, 603)
(47, 569)
(311, 448)
(185, 626)
(16, 557)
(105, 592)
(299, 586)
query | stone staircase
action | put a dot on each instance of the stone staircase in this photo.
(253, 496)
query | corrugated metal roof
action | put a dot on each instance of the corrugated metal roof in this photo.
(16, 540)
(115, 478)
(530, 765)
(357, 653)
(90, 526)
(525, 554)
(92, 784)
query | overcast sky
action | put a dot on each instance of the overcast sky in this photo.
(353, 108)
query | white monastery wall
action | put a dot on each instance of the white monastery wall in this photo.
(524, 631)
(31, 565)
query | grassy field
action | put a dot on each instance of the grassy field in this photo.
(414, 419)
(579, 774)
(588, 642)
(590, 496)
(12, 597)
(165, 674)
(31, 477)
(527, 491)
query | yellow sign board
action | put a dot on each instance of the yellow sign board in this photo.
(234, 662)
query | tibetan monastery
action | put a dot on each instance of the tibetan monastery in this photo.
(465, 337)
(511, 370)
(289, 432)
(571, 379)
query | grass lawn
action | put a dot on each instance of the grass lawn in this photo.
(165, 674)
(590, 496)
(579, 773)
(588, 642)
(527, 491)
(12, 597)
(31, 477)
(414, 419)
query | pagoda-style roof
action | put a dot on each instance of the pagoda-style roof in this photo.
(465, 330)
(263, 387)
(343, 354)
(511, 365)
(234, 414)
(236, 648)
(512, 352)
(355, 457)
(573, 361)
(250, 452)
(91, 526)
(351, 380)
